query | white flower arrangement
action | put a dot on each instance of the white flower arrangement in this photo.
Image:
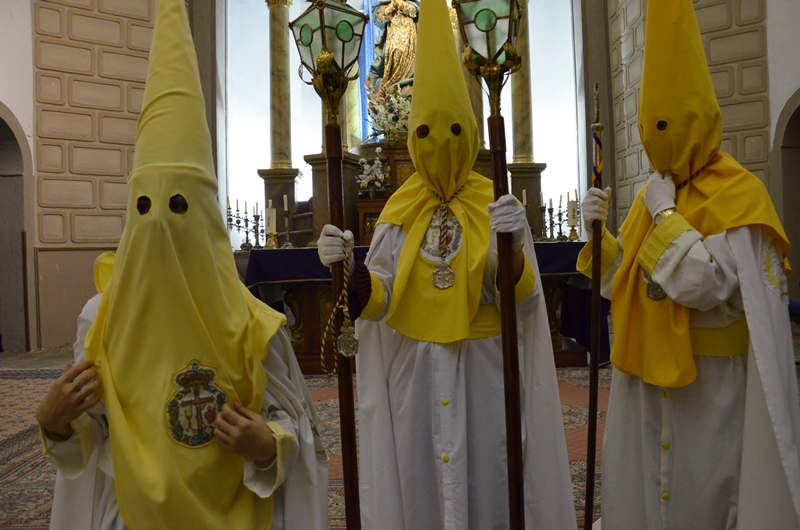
(389, 115)
(372, 175)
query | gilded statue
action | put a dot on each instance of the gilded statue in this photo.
(396, 47)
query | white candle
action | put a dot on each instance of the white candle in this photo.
(228, 200)
(285, 203)
(541, 199)
(572, 213)
(551, 203)
(269, 205)
(272, 225)
(245, 207)
(567, 199)
(524, 197)
(576, 194)
(237, 204)
(255, 210)
(559, 200)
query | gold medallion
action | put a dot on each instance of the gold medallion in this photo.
(443, 276)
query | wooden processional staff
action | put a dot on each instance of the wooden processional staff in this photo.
(594, 352)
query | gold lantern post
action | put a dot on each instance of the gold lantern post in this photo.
(328, 36)
(489, 28)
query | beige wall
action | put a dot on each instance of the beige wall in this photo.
(90, 65)
(734, 35)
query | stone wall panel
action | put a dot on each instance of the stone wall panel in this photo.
(49, 20)
(139, 37)
(56, 123)
(94, 29)
(724, 80)
(135, 98)
(96, 227)
(744, 113)
(105, 95)
(67, 193)
(117, 130)
(750, 11)
(52, 227)
(752, 77)
(124, 66)
(714, 17)
(754, 147)
(51, 157)
(51, 88)
(90, 160)
(141, 9)
(52, 55)
(736, 45)
(83, 4)
(113, 194)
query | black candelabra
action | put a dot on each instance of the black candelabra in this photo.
(242, 222)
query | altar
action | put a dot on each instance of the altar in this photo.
(295, 282)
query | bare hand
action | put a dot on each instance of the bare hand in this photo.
(73, 393)
(242, 431)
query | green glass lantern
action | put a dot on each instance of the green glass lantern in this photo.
(490, 29)
(328, 36)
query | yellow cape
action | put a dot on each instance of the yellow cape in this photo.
(176, 334)
(443, 142)
(680, 125)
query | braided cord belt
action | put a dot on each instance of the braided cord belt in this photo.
(346, 344)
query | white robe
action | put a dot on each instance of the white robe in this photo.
(84, 496)
(715, 454)
(420, 402)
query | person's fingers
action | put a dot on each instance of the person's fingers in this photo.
(231, 416)
(247, 413)
(223, 439)
(87, 390)
(83, 379)
(223, 426)
(75, 371)
(88, 403)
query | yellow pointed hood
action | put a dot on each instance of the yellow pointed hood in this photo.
(443, 142)
(177, 335)
(680, 126)
(440, 102)
(680, 122)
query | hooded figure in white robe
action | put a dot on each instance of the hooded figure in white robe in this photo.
(430, 362)
(703, 424)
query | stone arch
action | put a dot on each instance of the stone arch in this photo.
(16, 222)
(785, 179)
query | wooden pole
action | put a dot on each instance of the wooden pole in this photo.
(508, 314)
(594, 353)
(333, 159)
(26, 308)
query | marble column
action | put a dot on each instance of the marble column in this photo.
(522, 125)
(351, 135)
(279, 95)
(475, 91)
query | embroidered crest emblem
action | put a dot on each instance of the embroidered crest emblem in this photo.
(193, 407)
(773, 272)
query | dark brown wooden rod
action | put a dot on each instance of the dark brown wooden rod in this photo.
(352, 506)
(508, 315)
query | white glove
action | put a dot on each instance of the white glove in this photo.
(659, 195)
(330, 248)
(595, 208)
(508, 215)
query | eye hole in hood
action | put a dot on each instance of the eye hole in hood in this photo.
(143, 204)
(178, 204)
(423, 131)
(455, 129)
